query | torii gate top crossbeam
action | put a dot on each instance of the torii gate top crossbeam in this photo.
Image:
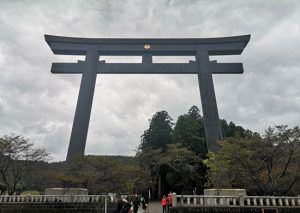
(135, 46)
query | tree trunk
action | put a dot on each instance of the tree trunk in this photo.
(159, 187)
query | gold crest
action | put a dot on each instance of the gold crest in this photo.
(147, 46)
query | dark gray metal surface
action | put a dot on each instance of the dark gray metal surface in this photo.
(84, 106)
(135, 46)
(201, 48)
(209, 103)
(147, 68)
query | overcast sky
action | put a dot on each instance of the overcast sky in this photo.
(40, 105)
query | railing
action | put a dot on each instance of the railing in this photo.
(236, 201)
(54, 198)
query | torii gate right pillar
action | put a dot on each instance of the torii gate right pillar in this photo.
(212, 128)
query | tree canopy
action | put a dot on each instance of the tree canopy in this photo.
(17, 157)
(264, 165)
(159, 133)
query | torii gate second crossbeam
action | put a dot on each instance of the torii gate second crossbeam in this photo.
(92, 48)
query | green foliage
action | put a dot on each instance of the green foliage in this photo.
(216, 176)
(99, 174)
(159, 133)
(183, 167)
(232, 130)
(177, 156)
(267, 165)
(189, 131)
(187, 139)
(177, 164)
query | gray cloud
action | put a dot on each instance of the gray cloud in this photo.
(41, 106)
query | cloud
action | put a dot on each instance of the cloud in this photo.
(41, 106)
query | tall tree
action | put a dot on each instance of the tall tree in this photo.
(189, 131)
(159, 133)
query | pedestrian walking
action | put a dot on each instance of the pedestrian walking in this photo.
(164, 203)
(169, 202)
(126, 206)
(144, 203)
(135, 203)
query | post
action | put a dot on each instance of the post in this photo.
(105, 205)
(242, 202)
(84, 105)
(209, 104)
(71, 198)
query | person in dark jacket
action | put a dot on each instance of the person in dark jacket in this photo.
(144, 203)
(119, 206)
(135, 203)
(126, 206)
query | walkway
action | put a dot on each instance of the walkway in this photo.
(154, 207)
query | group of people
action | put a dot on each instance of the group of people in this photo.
(135, 204)
(167, 203)
(126, 205)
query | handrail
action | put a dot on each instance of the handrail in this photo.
(236, 201)
(54, 198)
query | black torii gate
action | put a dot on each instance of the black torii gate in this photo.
(92, 48)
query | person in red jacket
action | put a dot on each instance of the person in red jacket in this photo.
(164, 203)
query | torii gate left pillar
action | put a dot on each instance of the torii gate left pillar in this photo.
(203, 67)
(84, 105)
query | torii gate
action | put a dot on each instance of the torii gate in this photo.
(92, 48)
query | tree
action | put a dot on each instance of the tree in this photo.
(264, 165)
(189, 131)
(17, 155)
(159, 133)
(150, 160)
(177, 165)
(231, 130)
(183, 172)
(100, 174)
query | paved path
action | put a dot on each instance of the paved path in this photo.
(154, 207)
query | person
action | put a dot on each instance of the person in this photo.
(126, 206)
(119, 206)
(164, 203)
(144, 203)
(169, 202)
(135, 203)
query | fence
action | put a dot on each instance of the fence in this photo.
(99, 200)
(236, 201)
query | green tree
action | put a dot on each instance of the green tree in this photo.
(231, 130)
(159, 133)
(177, 165)
(267, 165)
(189, 131)
(150, 161)
(183, 172)
(100, 174)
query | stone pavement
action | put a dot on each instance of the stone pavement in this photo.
(154, 207)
